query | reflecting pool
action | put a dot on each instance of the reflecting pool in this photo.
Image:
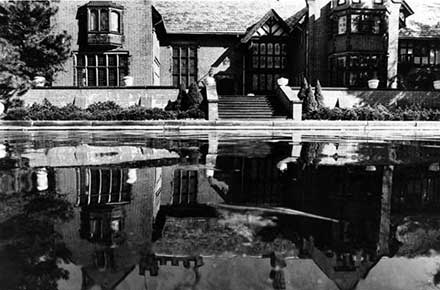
(138, 210)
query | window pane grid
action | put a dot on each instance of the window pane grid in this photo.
(268, 61)
(100, 69)
(422, 54)
(356, 70)
(184, 65)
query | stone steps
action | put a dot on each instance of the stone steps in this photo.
(247, 107)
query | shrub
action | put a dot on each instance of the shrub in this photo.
(319, 97)
(103, 111)
(193, 113)
(302, 94)
(309, 103)
(377, 114)
(19, 113)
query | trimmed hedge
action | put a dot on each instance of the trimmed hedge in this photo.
(379, 113)
(102, 111)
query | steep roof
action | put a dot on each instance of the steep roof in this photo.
(425, 22)
(226, 16)
(281, 29)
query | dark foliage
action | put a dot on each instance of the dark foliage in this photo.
(181, 99)
(102, 111)
(193, 100)
(309, 103)
(319, 97)
(302, 94)
(192, 113)
(31, 238)
(28, 45)
(379, 113)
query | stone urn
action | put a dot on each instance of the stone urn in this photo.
(132, 176)
(2, 108)
(42, 179)
(373, 84)
(39, 81)
(436, 84)
(282, 82)
(128, 81)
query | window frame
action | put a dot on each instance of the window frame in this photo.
(268, 65)
(191, 60)
(107, 23)
(339, 32)
(83, 78)
(368, 23)
(343, 67)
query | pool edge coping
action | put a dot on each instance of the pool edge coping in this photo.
(222, 125)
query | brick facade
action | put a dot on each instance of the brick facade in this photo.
(314, 44)
(137, 31)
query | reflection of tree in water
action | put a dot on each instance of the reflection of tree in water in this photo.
(310, 154)
(30, 238)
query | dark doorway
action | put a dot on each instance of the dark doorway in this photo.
(225, 87)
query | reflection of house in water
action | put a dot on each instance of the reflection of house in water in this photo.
(117, 192)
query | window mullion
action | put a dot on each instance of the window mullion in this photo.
(86, 62)
(107, 70)
(96, 71)
(188, 60)
(180, 64)
(99, 19)
(118, 71)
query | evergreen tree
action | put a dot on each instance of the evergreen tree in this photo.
(309, 103)
(195, 98)
(319, 96)
(302, 94)
(180, 101)
(29, 45)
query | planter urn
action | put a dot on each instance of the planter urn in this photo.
(436, 84)
(39, 81)
(282, 82)
(373, 84)
(128, 81)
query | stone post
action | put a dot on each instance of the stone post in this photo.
(393, 39)
(211, 157)
(289, 100)
(385, 211)
(212, 98)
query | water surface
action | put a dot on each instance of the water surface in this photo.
(136, 210)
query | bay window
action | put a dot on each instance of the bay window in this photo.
(103, 23)
(104, 20)
(366, 23)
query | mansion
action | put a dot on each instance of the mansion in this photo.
(245, 45)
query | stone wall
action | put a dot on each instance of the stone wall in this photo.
(349, 98)
(150, 97)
